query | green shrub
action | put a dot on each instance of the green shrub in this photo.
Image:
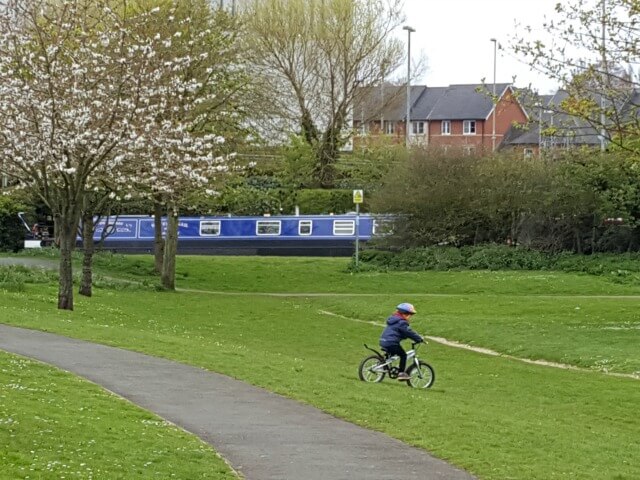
(314, 201)
(12, 285)
(379, 258)
(619, 268)
(503, 257)
(11, 228)
(15, 277)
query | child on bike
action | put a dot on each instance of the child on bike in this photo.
(398, 329)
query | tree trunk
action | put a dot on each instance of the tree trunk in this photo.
(67, 237)
(86, 284)
(168, 278)
(158, 241)
(56, 232)
(326, 158)
(578, 242)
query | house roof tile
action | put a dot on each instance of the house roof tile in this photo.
(455, 102)
(465, 102)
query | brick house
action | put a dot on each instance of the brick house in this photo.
(457, 117)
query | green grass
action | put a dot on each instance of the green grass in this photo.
(54, 425)
(331, 275)
(496, 417)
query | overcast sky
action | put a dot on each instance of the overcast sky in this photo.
(454, 36)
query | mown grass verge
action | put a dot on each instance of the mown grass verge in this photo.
(54, 425)
(496, 417)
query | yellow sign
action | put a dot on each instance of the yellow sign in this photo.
(358, 196)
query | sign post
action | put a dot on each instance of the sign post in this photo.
(358, 197)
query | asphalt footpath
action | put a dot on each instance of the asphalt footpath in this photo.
(263, 436)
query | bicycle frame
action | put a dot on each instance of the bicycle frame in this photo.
(387, 361)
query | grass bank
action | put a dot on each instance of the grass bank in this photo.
(54, 425)
(493, 416)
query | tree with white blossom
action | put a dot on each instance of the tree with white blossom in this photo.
(83, 98)
(203, 41)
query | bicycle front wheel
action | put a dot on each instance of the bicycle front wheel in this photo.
(371, 369)
(421, 376)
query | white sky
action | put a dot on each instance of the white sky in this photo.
(454, 36)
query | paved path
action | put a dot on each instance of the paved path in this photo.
(262, 435)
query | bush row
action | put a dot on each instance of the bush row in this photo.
(499, 257)
(580, 201)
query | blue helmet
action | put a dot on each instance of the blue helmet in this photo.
(406, 308)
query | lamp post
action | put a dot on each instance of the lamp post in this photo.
(408, 120)
(606, 72)
(495, 104)
(539, 105)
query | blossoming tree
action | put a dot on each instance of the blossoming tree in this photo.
(201, 43)
(83, 99)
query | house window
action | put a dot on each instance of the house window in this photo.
(417, 128)
(363, 128)
(305, 227)
(210, 228)
(445, 127)
(389, 127)
(528, 152)
(268, 227)
(344, 227)
(469, 127)
(469, 150)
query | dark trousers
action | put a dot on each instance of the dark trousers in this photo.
(397, 350)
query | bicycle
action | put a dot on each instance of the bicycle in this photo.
(375, 367)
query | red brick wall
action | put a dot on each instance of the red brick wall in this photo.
(457, 139)
(508, 112)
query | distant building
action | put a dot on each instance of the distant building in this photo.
(457, 117)
(552, 128)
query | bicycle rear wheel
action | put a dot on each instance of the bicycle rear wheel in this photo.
(421, 377)
(371, 369)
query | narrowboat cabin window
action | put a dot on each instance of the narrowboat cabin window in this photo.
(382, 227)
(210, 228)
(268, 227)
(344, 227)
(305, 227)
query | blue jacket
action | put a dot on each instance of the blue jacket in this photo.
(397, 329)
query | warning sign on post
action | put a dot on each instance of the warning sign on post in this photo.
(358, 196)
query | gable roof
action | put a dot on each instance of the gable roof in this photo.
(426, 102)
(455, 102)
(465, 102)
(546, 112)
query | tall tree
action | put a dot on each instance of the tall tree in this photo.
(204, 44)
(310, 57)
(81, 95)
(593, 52)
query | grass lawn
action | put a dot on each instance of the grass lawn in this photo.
(54, 425)
(498, 418)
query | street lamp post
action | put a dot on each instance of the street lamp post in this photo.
(606, 72)
(408, 119)
(539, 105)
(495, 102)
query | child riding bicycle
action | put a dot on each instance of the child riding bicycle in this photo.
(398, 329)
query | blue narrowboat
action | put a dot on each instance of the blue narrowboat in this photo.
(310, 235)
